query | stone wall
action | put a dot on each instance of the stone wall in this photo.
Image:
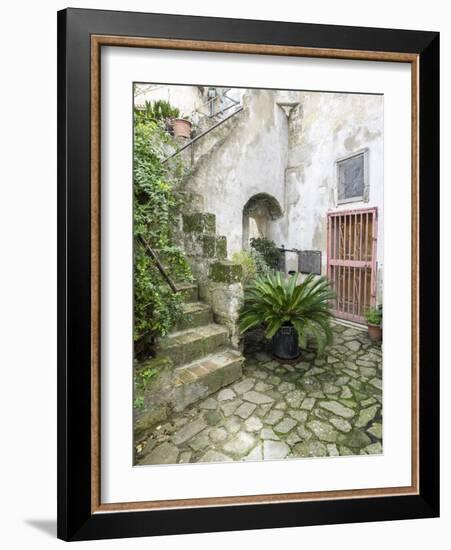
(323, 128)
(251, 159)
(286, 144)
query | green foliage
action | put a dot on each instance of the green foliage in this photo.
(269, 251)
(262, 266)
(143, 378)
(373, 316)
(142, 381)
(274, 300)
(138, 402)
(156, 204)
(252, 262)
(160, 110)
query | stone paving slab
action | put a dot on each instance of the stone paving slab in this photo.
(320, 407)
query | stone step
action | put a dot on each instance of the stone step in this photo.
(200, 222)
(197, 380)
(189, 291)
(205, 246)
(188, 345)
(196, 314)
(225, 271)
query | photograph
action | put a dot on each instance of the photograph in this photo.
(258, 271)
(248, 273)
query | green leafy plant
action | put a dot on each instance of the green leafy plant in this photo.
(252, 262)
(268, 250)
(274, 300)
(143, 378)
(373, 316)
(248, 264)
(138, 402)
(156, 205)
(260, 263)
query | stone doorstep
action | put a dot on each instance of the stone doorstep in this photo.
(191, 344)
(205, 376)
(196, 314)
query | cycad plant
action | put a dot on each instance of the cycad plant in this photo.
(275, 301)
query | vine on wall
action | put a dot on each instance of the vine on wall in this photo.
(156, 209)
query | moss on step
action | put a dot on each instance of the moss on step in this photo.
(200, 222)
(189, 345)
(161, 367)
(153, 388)
(221, 247)
(199, 244)
(189, 291)
(226, 272)
(196, 314)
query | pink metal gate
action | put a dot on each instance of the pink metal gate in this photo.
(351, 261)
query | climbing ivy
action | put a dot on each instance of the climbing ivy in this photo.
(156, 206)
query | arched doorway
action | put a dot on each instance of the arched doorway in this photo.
(258, 213)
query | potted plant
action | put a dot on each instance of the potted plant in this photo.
(182, 127)
(289, 311)
(374, 320)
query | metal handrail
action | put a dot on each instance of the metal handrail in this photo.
(221, 97)
(160, 266)
(283, 249)
(207, 131)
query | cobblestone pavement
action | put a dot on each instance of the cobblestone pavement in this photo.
(319, 407)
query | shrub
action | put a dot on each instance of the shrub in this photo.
(260, 263)
(156, 308)
(248, 264)
(269, 251)
(274, 300)
(252, 263)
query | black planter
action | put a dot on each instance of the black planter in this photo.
(285, 343)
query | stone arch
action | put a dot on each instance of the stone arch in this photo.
(258, 213)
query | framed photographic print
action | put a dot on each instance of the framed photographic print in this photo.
(248, 274)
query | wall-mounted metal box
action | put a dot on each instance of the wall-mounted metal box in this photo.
(309, 261)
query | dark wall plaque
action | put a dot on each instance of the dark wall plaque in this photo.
(309, 261)
(351, 178)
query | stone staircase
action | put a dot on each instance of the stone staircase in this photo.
(201, 355)
(200, 351)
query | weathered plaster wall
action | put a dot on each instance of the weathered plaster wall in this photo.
(291, 153)
(325, 127)
(286, 144)
(251, 159)
(185, 98)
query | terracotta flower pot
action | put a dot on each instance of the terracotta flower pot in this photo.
(181, 128)
(375, 332)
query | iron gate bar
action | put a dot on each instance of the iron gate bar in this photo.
(351, 260)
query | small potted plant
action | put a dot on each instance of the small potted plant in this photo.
(289, 312)
(182, 127)
(374, 320)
